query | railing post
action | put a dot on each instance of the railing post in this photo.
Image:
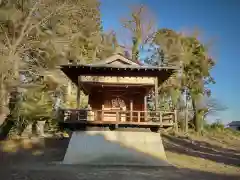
(139, 116)
(131, 109)
(160, 118)
(145, 116)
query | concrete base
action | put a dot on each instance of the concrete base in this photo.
(115, 148)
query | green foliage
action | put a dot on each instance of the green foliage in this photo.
(218, 125)
(36, 105)
(191, 81)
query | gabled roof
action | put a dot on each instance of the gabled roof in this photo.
(122, 61)
(117, 65)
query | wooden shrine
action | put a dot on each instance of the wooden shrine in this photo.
(117, 90)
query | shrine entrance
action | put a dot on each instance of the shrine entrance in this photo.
(113, 105)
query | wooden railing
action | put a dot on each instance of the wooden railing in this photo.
(117, 116)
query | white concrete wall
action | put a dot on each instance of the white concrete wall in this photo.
(116, 148)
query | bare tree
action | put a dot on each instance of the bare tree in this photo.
(19, 33)
(141, 27)
(213, 106)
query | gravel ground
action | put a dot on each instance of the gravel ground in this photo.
(25, 165)
(60, 172)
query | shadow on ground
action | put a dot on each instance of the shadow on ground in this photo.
(201, 149)
(33, 150)
(26, 163)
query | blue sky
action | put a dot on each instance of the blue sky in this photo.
(217, 20)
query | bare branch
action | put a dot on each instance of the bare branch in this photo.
(22, 33)
(44, 19)
(7, 38)
(141, 24)
(25, 31)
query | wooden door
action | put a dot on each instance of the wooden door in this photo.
(112, 107)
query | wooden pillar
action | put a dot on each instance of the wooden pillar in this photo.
(176, 120)
(78, 93)
(102, 114)
(156, 93)
(145, 108)
(78, 97)
(131, 110)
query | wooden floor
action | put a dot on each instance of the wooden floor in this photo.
(84, 118)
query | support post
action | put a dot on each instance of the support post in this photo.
(131, 110)
(145, 108)
(102, 114)
(156, 94)
(160, 119)
(175, 120)
(78, 97)
(78, 93)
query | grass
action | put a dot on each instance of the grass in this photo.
(218, 151)
(197, 163)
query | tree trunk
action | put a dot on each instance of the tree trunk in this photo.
(40, 128)
(135, 48)
(182, 110)
(198, 118)
(186, 118)
(186, 111)
(3, 104)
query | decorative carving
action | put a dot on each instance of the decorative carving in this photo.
(118, 103)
